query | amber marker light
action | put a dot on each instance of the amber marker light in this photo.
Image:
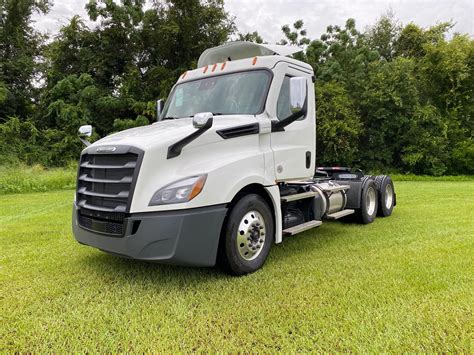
(197, 188)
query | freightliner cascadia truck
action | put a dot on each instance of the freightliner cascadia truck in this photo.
(228, 169)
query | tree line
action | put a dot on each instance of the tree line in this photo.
(391, 97)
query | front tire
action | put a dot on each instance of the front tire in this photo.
(368, 204)
(247, 236)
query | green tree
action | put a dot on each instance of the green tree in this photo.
(296, 36)
(20, 48)
(250, 37)
(384, 35)
(338, 126)
(132, 57)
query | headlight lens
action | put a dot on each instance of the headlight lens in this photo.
(180, 191)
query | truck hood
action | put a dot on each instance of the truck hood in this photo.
(165, 133)
(160, 133)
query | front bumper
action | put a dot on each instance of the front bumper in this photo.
(181, 237)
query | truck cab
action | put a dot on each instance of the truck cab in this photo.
(227, 170)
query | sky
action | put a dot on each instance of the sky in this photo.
(267, 16)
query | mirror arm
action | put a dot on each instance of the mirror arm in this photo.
(279, 126)
(85, 142)
(174, 150)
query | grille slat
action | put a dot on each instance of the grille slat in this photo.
(105, 187)
(121, 194)
(118, 208)
(124, 180)
(128, 165)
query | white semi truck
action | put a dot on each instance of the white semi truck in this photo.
(228, 169)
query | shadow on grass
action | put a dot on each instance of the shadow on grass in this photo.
(145, 273)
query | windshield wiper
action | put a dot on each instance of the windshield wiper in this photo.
(169, 118)
(214, 114)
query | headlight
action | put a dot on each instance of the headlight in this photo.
(180, 191)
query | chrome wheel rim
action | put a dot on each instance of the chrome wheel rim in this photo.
(370, 201)
(388, 196)
(251, 235)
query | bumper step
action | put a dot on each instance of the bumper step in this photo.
(340, 214)
(301, 227)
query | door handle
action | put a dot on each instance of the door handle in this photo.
(308, 160)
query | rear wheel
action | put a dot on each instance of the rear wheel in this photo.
(368, 203)
(386, 191)
(247, 236)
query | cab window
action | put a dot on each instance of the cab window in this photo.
(283, 104)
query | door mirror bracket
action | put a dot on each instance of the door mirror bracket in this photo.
(85, 132)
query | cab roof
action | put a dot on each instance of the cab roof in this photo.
(241, 50)
(238, 56)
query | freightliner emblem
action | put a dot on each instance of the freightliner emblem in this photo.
(106, 149)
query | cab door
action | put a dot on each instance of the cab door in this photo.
(294, 148)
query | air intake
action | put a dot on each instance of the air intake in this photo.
(105, 186)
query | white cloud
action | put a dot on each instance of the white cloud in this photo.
(60, 15)
(267, 16)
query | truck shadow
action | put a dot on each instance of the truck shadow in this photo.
(142, 273)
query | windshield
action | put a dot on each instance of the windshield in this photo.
(237, 93)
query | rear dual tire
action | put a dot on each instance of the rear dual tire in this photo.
(368, 204)
(387, 198)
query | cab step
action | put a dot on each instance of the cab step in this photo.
(302, 227)
(300, 196)
(340, 214)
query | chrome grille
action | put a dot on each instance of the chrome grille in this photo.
(105, 186)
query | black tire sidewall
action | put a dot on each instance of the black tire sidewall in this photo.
(234, 263)
(384, 211)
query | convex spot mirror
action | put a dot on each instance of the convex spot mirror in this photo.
(85, 131)
(298, 89)
(160, 105)
(202, 120)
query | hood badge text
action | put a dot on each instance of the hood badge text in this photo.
(106, 149)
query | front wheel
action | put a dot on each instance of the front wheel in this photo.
(247, 236)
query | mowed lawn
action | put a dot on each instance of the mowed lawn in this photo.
(403, 283)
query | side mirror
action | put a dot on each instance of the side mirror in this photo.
(85, 132)
(160, 105)
(297, 94)
(298, 103)
(203, 120)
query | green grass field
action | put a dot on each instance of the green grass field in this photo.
(403, 283)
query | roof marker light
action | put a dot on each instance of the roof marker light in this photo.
(223, 65)
(184, 74)
(254, 61)
(205, 69)
(214, 67)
